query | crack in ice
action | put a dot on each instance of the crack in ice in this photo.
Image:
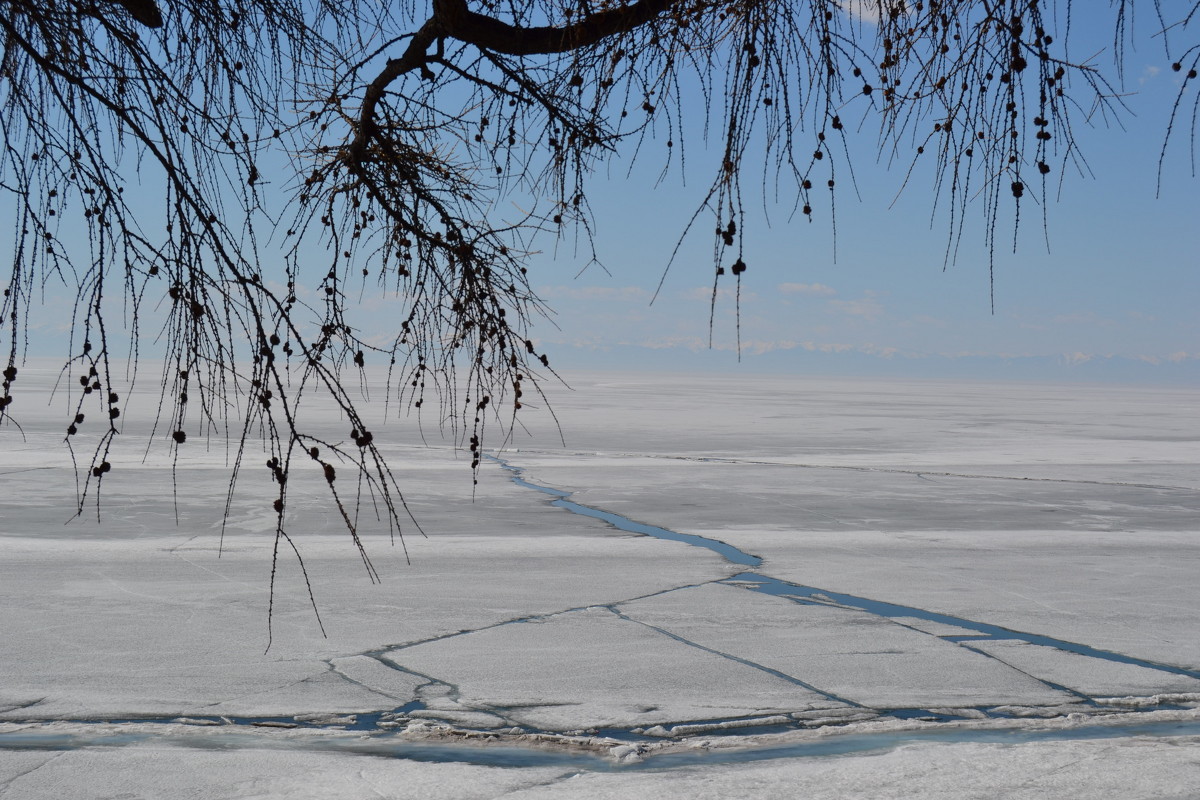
(620, 522)
(985, 631)
(7, 785)
(738, 659)
(852, 468)
(802, 594)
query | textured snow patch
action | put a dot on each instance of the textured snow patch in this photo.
(1176, 698)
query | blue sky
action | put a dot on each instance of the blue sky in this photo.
(1109, 293)
(1110, 296)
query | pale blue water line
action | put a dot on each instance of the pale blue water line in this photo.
(727, 551)
(499, 755)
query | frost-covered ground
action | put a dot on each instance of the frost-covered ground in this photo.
(883, 589)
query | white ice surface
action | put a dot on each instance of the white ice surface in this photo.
(1163, 769)
(1057, 511)
(1132, 768)
(853, 655)
(1091, 676)
(592, 669)
(144, 627)
(151, 771)
(1144, 434)
(918, 493)
(1132, 592)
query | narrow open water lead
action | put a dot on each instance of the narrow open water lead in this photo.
(727, 551)
(774, 586)
(986, 631)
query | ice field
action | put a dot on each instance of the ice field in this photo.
(721, 586)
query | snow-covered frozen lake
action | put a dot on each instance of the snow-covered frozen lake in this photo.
(719, 587)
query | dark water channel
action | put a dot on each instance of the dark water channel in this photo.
(727, 551)
(809, 594)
